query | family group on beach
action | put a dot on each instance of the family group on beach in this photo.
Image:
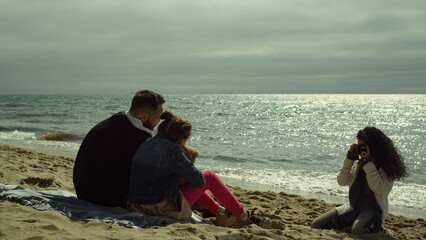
(121, 163)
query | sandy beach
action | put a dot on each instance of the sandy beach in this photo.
(291, 214)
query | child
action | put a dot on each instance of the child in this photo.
(154, 183)
(370, 168)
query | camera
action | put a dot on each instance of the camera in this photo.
(353, 154)
(361, 148)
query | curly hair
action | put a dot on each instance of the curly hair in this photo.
(384, 152)
(174, 127)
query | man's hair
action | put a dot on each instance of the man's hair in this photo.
(146, 101)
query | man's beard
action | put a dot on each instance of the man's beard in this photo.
(148, 125)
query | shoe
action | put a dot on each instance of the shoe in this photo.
(386, 231)
(225, 219)
(263, 222)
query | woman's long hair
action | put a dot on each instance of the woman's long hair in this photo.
(174, 127)
(384, 152)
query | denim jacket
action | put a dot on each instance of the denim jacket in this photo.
(155, 171)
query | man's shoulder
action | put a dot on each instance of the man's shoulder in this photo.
(116, 118)
(120, 116)
(116, 122)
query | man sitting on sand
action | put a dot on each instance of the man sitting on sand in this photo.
(102, 166)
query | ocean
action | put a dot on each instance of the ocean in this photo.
(291, 143)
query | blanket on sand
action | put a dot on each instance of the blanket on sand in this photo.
(77, 209)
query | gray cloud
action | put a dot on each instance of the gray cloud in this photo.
(213, 46)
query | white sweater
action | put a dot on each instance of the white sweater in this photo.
(377, 180)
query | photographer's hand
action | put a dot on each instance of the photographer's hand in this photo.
(352, 155)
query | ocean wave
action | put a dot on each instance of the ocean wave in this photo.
(57, 136)
(3, 129)
(40, 114)
(13, 128)
(224, 158)
(15, 105)
(17, 135)
(26, 135)
(281, 160)
(223, 114)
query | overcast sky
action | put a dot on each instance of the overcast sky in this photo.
(280, 46)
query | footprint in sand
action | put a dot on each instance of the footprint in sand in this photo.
(41, 182)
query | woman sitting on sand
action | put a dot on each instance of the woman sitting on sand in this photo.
(370, 179)
(154, 182)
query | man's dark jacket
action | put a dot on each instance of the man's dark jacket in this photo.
(102, 167)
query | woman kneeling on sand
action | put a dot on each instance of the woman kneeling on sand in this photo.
(154, 182)
(370, 179)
